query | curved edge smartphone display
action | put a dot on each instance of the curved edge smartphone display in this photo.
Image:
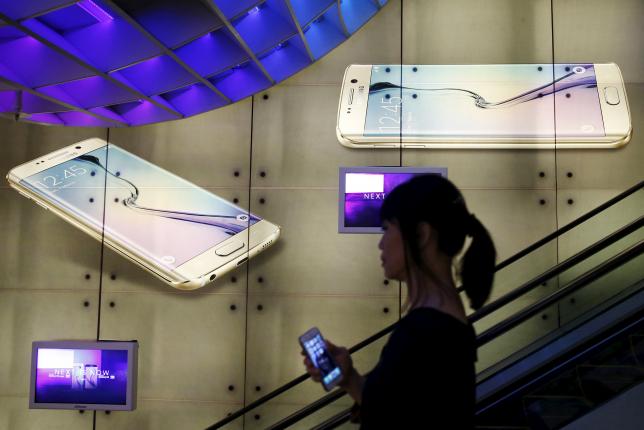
(313, 344)
(83, 375)
(181, 233)
(484, 106)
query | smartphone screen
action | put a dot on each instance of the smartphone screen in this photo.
(316, 350)
(162, 216)
(516, 100)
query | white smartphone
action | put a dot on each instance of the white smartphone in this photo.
(179, 232)
(484, 106)
(313, 344)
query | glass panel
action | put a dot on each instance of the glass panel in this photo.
(574, 308)
(581, 384)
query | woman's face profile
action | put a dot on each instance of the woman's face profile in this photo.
(392, 255)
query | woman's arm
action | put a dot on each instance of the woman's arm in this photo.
(353, 383)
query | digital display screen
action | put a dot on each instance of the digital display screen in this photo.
(162, 216)
(317, 352)
(517, 100)
(81, 376)
(363, 189)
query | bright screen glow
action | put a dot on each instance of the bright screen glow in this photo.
(316, 349)
(162, 216)
(365, 189)
(81, 376)
(468, 101)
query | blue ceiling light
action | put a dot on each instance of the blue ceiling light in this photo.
(119, 63)
(94, 10)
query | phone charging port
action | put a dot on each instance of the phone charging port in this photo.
(212, 277)
(242, 261)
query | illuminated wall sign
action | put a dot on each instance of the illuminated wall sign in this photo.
(363, 189)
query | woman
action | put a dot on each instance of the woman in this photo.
(425, 377)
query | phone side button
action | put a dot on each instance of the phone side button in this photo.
(41, 205)
(229, 249)
(612, 96)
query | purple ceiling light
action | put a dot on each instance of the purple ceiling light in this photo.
(119, 63)
(93, 9)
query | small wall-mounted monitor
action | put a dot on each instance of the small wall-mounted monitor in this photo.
(83, 375)
(363, 189)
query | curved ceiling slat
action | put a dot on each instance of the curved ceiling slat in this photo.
(123, 63)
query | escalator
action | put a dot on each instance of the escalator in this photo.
(565, 385)
(560, 344)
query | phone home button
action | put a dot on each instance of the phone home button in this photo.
(229, 249)
(612, 96)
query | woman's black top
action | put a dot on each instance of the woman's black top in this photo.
(425, 378)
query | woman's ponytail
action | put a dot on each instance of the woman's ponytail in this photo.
(436, 201)
(477, 271)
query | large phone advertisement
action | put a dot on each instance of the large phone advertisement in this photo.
(81, 376)
(162, 216)
(517, 100)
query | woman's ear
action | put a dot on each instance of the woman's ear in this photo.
(424, 234)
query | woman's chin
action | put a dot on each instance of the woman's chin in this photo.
(391, 276)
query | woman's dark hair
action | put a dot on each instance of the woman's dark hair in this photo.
(436, 201)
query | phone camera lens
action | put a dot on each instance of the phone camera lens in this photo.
(354, 81)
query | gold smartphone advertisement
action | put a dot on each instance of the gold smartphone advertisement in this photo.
(484, 106)
(183, 234)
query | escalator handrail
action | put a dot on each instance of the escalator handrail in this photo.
(311, 408)
(579, 282)
(389, 328)
(566, 228)
(579, 352)
(572, 224)
(334, 421)
(557, 269)
(497, 330)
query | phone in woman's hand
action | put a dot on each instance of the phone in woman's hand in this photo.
(316, 349)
